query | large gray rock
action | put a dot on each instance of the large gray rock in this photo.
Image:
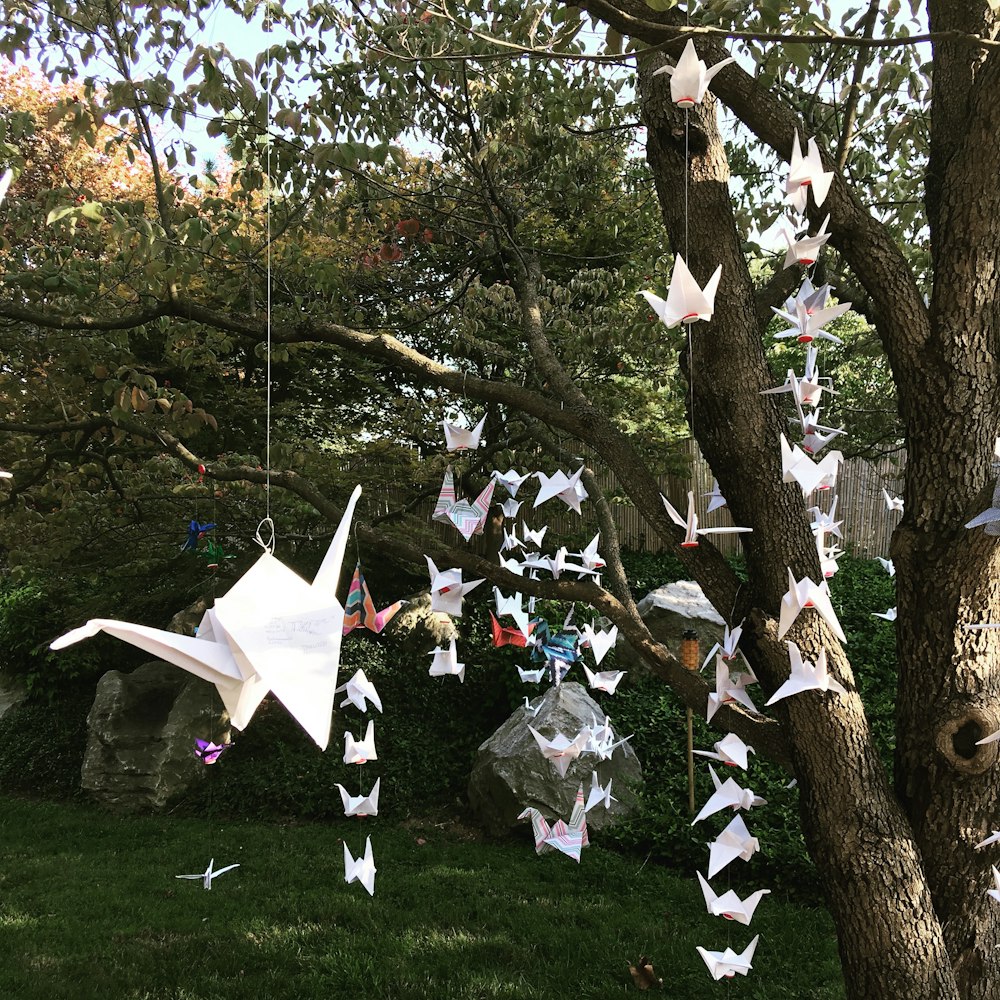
(510, 772)
(668, 612)
(141, 732)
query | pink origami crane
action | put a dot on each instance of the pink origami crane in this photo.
(359, 611)
(468, 516)
(569, 838)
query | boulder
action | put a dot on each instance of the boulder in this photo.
(668, 612)
(510, 772)
(141, 732)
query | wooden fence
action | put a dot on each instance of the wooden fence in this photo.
(867, 527)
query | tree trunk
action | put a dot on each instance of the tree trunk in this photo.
(891, 940)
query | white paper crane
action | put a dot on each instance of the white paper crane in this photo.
(892, 503)
(887, 565)
(808, 389)
(359, 691)
(510, 508)
(730, 750)
(726, 964)
(8, 176)
(360, 751)
(599, 642)
(806, 594)
(447, 589)
(729, 690)
(445, 663)
(889, 616)
(209, 874)
(805, 173)
(510, 480)
(361, 805)
(598, 794)
(361, 869)
(531, 676)
(806, 677)
(815, 436)
(690, 524)
(605, 680)
(803, 249)
(459, 438)
(734, 842)
(686, 301)
(729, 905)
(798, 467)
(715, 497)
(990, 518)
(569, 489)
(728, 794)
(690, 78)
(727, 648)
(271, 631)
(824, 523)
(561, 750)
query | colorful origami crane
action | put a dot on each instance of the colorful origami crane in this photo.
(359, 611)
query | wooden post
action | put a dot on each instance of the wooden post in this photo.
(690, 660)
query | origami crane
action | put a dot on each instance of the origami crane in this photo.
(734, 842)
(716, 499)
(601, 738)
(805, 173)
(360, 751)
(889, 616)
(606, 680)
(887, 565)
(806, 677)
(359, 691)
(568, 838)
(209, 874)
(461, 438)
(730, 750)
(893, 503)
(690, 78)
(808, 389)
(361, 805)
(271, 631)
(196, 532)
(815, 436)
(806, 594)
(727, 963)
(446, 662)
(828, 557)
(824, 523)
(528, 710)
(591, 562)
(808, 313)
(599, 642)
(598, 795)
(359, 611)
(804, 249)
(532, 676)
(447, 589)
(561, 750)
(535, 537)
(8, 176)
(510, 480)
(727, 795)
(727, 690)
(510, 508)
(569, 489)
(798, 467)
(508, 636)
(727, 648)
(208, 752)
(361, 869)
(990, 518)
(686, 301)
(994, 893)
(729, 905)
(6, 475)
(994, 836)
(554, 648)
(468, 516)
(690, 524)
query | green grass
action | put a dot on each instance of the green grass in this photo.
(90, 910)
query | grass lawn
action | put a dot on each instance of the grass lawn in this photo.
(90, 910)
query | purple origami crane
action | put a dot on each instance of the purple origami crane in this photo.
(208, 752)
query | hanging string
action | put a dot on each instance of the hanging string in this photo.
(687, 260)
(268, 27)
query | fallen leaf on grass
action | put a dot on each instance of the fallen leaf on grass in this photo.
(643, 975)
